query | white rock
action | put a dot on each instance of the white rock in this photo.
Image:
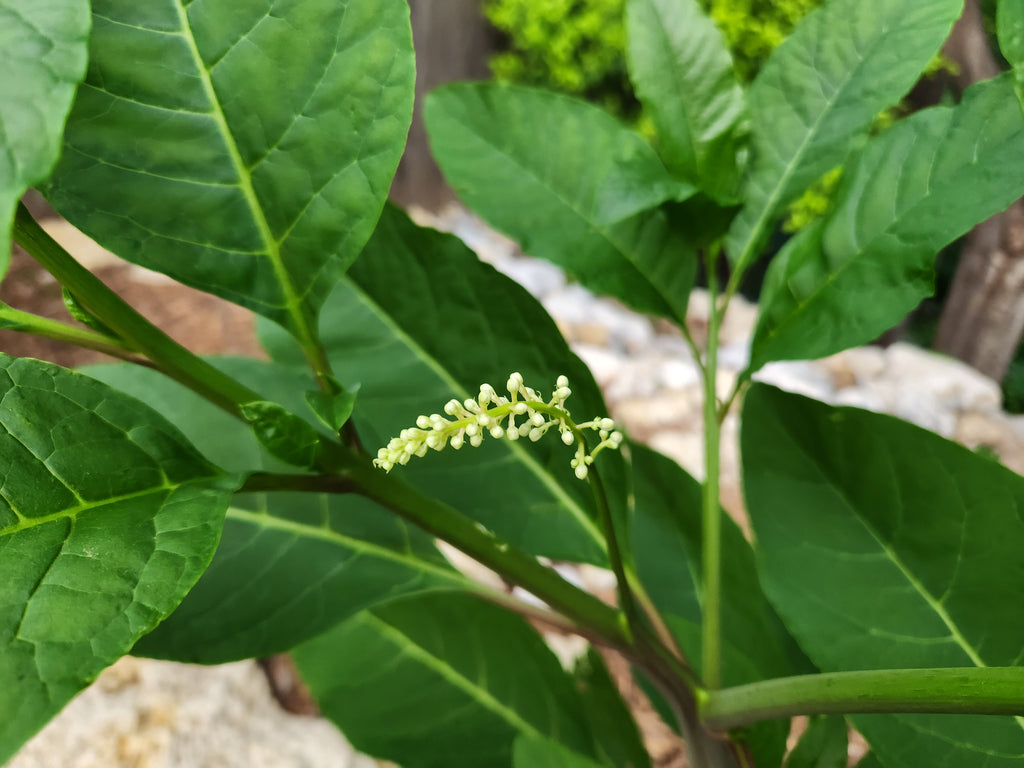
(540, 278)
(165, 715)
(909, 400)
(687, 448)
(604, 365)
(738, 324)
(798, 376)
(643, 414)
(734, 357)
(572, 304)
(677, 374)
(859, 398)
(947, 382)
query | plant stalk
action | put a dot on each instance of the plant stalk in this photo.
(167, 355)
(711, 668)
(970, 690)
(25, 322)
(627, 602)
(356, 474)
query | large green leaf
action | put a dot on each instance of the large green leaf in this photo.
(1010, 23)
(244, 148)
(666, 533)
(441, 681)
(885, 546)
(843, 64)
(910, 192)
(535, 752)
(419, 320)
(107, 518)
(615, 731)
(569, 183)
(290, 565)
(684, 77)
(43, 51)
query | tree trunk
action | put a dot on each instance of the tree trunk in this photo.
(453, 42)
(983, 318)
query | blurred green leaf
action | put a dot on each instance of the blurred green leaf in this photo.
(885, 546)
(1010, 27)
(615, 731)
(271, 137)
(107, 518)
(823, 745)
(666, 533)
(569, 183)
(684, 77)
(441, 681)
(912, 190)
(544, 753)
(844, 63)
(43, 53)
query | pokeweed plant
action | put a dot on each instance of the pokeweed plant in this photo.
(208, 510)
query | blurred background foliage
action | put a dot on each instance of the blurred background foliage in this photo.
(578, 47)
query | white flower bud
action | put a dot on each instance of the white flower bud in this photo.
(567, 437)
(497, 431)
(562, 381)
(475, 440)
(581, 472)
(422, 422)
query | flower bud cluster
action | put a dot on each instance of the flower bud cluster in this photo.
(523, 414)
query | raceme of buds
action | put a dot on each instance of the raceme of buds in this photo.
(522, 415)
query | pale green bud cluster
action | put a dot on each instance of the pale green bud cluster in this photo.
(524, 414)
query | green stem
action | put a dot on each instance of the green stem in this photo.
(169, 357)
(355, 474)
(711, 514)
(627, 602)
(970, 690)
(24, 322)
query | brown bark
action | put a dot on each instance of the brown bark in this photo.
(983, 318)
(453, 42)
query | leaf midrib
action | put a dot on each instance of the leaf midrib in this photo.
(357, 546)
(768, 211)
(869, 247)
(27, 523)
(292, 306)
(476, 692)
(955, 633)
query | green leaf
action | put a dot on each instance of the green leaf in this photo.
(569, 183)
(824, 744)
(615, 731)
(533, 752)
(848, 279)
(843, 64)
(441, 681)
(290, 565)
(283, 434)
(420, 320)
(870, 760)
(107, 518)
(242, 148)
(666, 534)
(885, 546)
(1010, 26)
(43, 52)
(334, 409)
(684, 77)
